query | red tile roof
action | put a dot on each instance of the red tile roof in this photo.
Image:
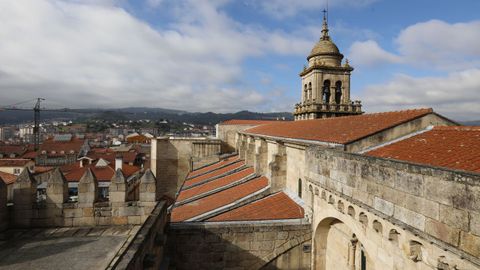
(8, 178)
(14, 162)
(30, 155)
(276, 206)
(50, 145)
(248, 122)
(339, 129)
(226, 169)
(213, 166)
(450, 147)
(217, 200)
(212, 185)
(102, 173)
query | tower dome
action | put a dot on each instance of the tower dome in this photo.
(325, 51)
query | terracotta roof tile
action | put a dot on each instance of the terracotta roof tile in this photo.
(8, 178)
(339, 129)
(214, 173)
(212, 185)
(248, 122)
(276, 206)
(216, 200)
(213, 166)
(14, 162)
(449, 147)
(102, 173)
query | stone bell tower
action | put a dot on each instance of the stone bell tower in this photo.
(326, 83)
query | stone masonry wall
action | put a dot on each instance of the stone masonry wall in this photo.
(3, 206)
(428, 201)
(173, 159)
(147, 248)
(240, 246)
(56, 211)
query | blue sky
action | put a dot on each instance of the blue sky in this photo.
(225, 55)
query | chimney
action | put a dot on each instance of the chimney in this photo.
(118, 162)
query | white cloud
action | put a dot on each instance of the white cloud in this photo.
(433, 45)
(369, 53)
(456, 95)
(440, 45)
(93, 55)
(288, 8)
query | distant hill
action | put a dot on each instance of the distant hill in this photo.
(137, 113)
(471, 123)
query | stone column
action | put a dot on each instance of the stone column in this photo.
(57, 194)
(153, 156)
(24, 198)
(277, 167)
(261, 155)
(250, 151)
(118, 188)
(147, 194)
(87, 196)
(3, 206)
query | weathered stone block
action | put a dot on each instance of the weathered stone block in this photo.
(470, 243)
(87, 211)
(475, 223)
(409, 217)
(119, 220)
(135, 220)
(442, 191)
(442, 231)
(409, 183)
(383, 206)
(422, 206)
(454, 217)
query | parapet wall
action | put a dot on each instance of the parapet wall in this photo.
(433, 203)
(53, 209)
(173, 158)
(147, 248)
(253, 245)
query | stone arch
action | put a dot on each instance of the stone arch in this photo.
(338, 92)
(310, 95)
(330, 234)
(377, 226)
(351, 211)
(324, 195)
(393, 236)
(340, 206)
(316, 191)
(326, 91)
(363, 219)
(331, 200)
(415, 251)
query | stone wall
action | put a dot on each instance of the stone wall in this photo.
(147, 248)
(173, 158)
(228, 135)
(437, 205)
(3, 206)
(253, 245)
(54, 210)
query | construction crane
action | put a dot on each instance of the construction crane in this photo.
(36, 116)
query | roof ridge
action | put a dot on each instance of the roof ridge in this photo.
(459, 128)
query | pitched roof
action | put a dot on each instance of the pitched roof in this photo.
(217, 200)
(276, 206)
(14, 162)
(104, 173)
(212, 167)
(451, 147)
(215, 173)
(51, 144)
(8, 178)
(214, 184)
(340, 130)
(248, 122)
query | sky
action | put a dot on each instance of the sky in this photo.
(226, 55)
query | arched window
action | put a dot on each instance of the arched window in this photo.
(305, 93)
(326, 91)
(338, 92)
(300, 188)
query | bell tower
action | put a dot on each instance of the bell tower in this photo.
(326, 82)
